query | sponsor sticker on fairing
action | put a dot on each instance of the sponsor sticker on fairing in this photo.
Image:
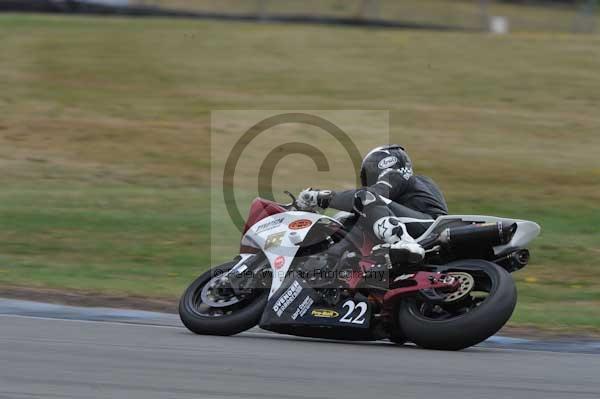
(269, 225)
(303, 308)
(325, 313)
(279, 262)
(274, 240)
(300, 224)
(287, 298)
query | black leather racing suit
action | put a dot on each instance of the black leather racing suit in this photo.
(416, 200)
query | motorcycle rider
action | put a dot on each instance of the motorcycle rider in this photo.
(394, 204)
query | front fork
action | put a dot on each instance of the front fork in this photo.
(245, 275)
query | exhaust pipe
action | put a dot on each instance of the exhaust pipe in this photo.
(481, 234)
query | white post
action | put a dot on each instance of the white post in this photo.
(499, 25)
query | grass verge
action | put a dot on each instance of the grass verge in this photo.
(104, 131)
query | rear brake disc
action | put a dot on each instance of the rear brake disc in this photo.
(466, 284)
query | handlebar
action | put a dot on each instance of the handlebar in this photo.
(293, 203)
(293, 206)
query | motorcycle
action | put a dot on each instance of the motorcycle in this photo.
(307, 274)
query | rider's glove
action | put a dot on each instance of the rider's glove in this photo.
(310, 199)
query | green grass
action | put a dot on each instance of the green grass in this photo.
(134, 240)
(104, 136)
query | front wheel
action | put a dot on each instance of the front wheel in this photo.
(210, 306)
(478, 309)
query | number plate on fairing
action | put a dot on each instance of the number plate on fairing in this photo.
(348, 313)
(297, 304)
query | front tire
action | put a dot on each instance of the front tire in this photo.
(243, 317)
(476, 324)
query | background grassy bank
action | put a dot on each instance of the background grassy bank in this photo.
(104, 135)
(465, 14)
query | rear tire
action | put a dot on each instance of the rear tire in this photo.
(467, 329)
(240, 320)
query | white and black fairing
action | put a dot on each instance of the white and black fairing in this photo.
(296, 245)
(298, 309)
(284, 237)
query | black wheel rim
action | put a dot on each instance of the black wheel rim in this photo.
(197, 306)
(484, 288)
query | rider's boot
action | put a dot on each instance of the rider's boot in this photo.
(402, 247)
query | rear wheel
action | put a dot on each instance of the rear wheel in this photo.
(210, 306)
(483, 303)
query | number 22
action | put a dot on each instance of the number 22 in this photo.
(360, 318)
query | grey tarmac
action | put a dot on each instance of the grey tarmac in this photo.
(66, 357)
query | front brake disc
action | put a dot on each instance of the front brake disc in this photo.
(211, 297)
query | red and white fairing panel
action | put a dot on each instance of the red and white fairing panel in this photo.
(279, 237)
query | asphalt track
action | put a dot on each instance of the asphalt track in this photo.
(143, 355)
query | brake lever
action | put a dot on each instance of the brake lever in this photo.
(291, 196)
(293, 203)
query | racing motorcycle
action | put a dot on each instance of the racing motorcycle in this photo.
(307, 274)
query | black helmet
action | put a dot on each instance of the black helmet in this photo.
(381, 158)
